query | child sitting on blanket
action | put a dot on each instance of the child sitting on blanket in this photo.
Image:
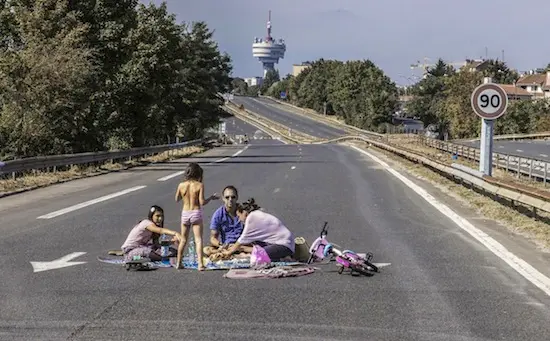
(141, 239)
(192, 193)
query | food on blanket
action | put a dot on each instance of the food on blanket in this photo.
(218, 256)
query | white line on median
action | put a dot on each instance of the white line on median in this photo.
(89, 202)
(518, 264)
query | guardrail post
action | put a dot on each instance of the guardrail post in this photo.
(518, 168)
(507, 163)
(545, 173)
(530, 168)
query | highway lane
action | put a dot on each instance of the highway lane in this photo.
(441, 285)
(235, 126)
(535, 149)
(287, 118)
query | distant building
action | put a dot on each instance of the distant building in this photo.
(516, 92)
(297, 68)
(474, 65)
(537, 84)
(268, 51)
(252, 81)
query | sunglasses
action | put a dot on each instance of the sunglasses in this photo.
(230, 197)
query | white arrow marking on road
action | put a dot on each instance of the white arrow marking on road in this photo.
(59, 263)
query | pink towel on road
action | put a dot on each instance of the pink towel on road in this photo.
(275, 272)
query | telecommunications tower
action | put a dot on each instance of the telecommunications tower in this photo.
(268, 50)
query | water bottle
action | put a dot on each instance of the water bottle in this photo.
(192, 252)
(164, 247)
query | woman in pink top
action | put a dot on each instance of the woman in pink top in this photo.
(263, 229)
(142, 237)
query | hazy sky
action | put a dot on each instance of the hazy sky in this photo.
(391, 33)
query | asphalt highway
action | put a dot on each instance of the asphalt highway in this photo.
(535, 149)
(288, 118)
(440, 284)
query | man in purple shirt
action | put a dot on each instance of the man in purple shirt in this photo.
(225, 226)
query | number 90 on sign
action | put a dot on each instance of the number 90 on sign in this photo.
(489, 101)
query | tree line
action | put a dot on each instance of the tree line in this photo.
(442, 99)
(364, 97)
(80, 76)
(358, 91)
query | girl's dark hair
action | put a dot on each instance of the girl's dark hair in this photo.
(248, 206)
(193, 172)
(152, 211)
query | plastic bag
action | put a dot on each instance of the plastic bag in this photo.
(259, 257)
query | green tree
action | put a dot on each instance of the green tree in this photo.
(500, 73)
(315, 89)
(429, 93)
(93, 75)
(456, 115)
(44, 85)
(271, 77)
(239, 86)
(363, 95)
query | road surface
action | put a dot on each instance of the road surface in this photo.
(441, 283)
(287, 118)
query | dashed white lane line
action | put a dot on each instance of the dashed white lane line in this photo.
(543, 155)
(293, 167)
(518, 264)
(89, 202)
(173, 175)
(519, 150)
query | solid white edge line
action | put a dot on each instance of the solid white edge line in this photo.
(518, 264)
(89, 202)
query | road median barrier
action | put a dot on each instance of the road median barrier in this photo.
(269, 126)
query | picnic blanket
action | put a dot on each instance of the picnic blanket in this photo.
(274, 271)
(236, 263)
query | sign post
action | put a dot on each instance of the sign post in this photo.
(489, 102)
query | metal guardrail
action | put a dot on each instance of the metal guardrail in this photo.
(45, 162)
(515, 193)
(269, 125)
(318, 117)
(533, 168)
(513, 137)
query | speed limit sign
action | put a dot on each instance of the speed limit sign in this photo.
(489, 101)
